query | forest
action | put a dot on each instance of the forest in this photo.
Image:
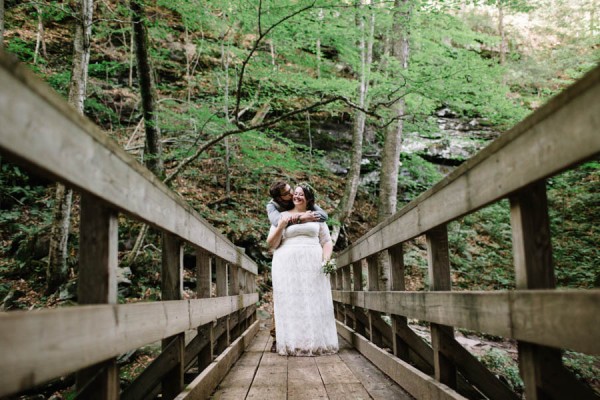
(369, 101)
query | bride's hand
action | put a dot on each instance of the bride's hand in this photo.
(283, 222)
(311, 216)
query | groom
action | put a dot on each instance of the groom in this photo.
(282, 200)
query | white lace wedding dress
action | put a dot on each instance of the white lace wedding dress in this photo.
(304, 320)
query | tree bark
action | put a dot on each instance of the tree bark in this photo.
(57, 271)
(390, 162)
(344, 207)
(501, 33)
(153, 150)
(39, 41)
(1, 24)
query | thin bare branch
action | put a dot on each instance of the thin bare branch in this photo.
(267, 124)
(253, 50)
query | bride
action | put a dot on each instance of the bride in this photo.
(304, 321)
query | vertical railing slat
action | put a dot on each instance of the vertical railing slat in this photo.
(97, 284)
(373, 286)
(396, 253)
(357, 277)
(439, 275)
(172, 289)
(541, 367)
(203, 290)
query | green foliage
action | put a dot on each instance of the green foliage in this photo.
(574, 200)
(415, 176)
(22, 49)
(500, 363)
(447, 67)
(585, 367)
(60, 81)
(481, 249)
(273, 153)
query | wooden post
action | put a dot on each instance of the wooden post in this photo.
(172, 289)
(234, 289)
(347, 286)
(358, 287)
(541, 367)
(373, 286)
(339, 307)
(97, 284)
(439, 275)
(396, 254)
(221, 342)
(203, 286)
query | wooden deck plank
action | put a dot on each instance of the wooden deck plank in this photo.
(260, 374)
(304, 380)
(375, 382)
(270, 381)
(334, 370)
(345, 391)
(238, 381)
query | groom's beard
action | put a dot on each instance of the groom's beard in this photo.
(287, 205)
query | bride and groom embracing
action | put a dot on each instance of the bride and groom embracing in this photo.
(300, 240)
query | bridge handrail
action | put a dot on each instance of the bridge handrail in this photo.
(40, 131)
(544, 320)
(560, 134)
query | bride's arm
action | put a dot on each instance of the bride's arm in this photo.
(275, 233)
(325, 240)
(327, 250)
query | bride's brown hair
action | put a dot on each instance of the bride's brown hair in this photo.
(309, 195)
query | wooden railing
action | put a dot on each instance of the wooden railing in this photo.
(562, 134)
(40, 131)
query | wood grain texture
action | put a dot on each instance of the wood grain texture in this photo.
(416, 383)
(97, 284)
(40, 131)
(204, 385)
(556, 317)
(46, 344)
(560, 134)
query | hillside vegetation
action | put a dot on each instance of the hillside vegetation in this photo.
(199, 50)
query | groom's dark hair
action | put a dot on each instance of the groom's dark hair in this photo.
(276, 188)
(309, 195)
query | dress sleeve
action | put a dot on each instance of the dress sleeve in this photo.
(324, 235)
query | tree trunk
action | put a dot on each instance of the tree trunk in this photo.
(344, 207)
(39, 41)
(318, 44)
(592, 18)
(390, 161)
(501, 33)
(1, 24)
(57, 272)
(153, 149)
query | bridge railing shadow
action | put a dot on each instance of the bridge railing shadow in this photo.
(42, 133)
(542, 319)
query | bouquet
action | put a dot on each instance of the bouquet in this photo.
(329, 266)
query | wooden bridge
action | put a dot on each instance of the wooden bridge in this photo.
(39, 131)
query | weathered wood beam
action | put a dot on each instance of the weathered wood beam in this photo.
(42, 132)
(561, 134)
(541, 367)
(558, 318)
(46, 344)
(415, 382)
(203, 386)
(172, 289)
(97, 284)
